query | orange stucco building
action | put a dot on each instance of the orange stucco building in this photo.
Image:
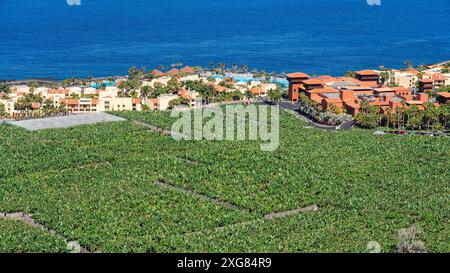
(295, 84)
(347, 93)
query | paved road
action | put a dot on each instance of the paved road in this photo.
(288, 105)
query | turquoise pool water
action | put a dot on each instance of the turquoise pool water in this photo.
(242, 78)
(97, 85)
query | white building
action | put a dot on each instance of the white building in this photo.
(164, 100)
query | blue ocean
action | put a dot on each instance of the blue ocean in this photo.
(56, 39)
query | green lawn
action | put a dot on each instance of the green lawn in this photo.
(95, 185)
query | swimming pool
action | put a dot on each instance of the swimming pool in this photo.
(243, 78)
(105, 83)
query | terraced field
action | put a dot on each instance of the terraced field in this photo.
(17, 237)
(120, 187)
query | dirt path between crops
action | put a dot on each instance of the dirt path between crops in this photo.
(28, 219)
(187, 161)
(157, 129)
(201, 196)
(282, 214)
(269, 217)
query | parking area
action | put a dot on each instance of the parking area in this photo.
(64, 122)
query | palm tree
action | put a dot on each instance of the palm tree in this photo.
(275, 95)
(236, 95)
(364, 106)
(409, 64)
(221, 67)
(211, 65)
(398, 112)
(146, 91)
(350, 74)
(245, 68)
(2, 110)
(33, 87)
(388, 115)
(4, 88)
(48, 106)
(248, 95)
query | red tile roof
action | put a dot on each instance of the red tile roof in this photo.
(367, 73)
(323, 90)
(438, 77)
(444, 95)
(331, 100)
(426, 80)
(369, 84)
(401, 89)
(415, 102)
(36, 105)
(257, 90)
(156, 72)
(173, 72)
(312, 82)
(413, 71)
(297, 75)
(220, 88)
(188, 70)
(71, 101)
(353, 105)
(58, 91)
(384, 89)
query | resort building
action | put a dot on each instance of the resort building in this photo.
(89, 105)
(157, 73)
(443, 97)
(368, 76)
(295, 83)
(188, 70)
(8, 105)
(24, 89)
(407, 79)
(426, 85)
(173, 72)
(347, 93)
(164, 100)
(424, 81)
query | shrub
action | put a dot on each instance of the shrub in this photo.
(408, 243)
(313, 110)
